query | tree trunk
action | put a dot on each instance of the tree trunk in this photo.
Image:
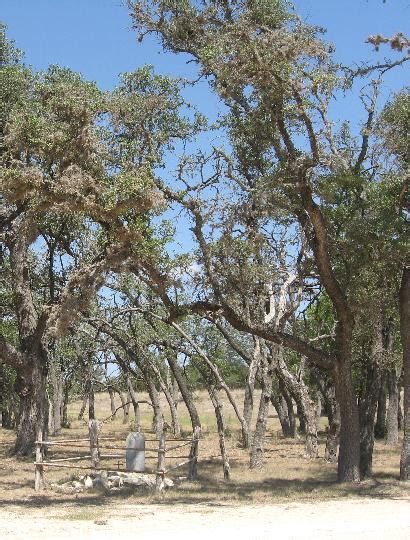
(367, 412)
(290, 407)
(83, 406)
(400, 419)
(176, 429)
(348, 468)
(57, 384)
(380, 425)
(220, 422)
(301, 417)
(124, 405)
(258, 443)
(158, 418)
(31, 386)
(91, 402)
(405, 339)
(135, 405)
(279, 404)
(327, 389)
(248, 398)
(306, 407)
(65, 423)
(111, 393)
(392, 419)
(185, 392)
(333, 433)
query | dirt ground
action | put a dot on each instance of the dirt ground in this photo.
(353, 518)
(291, 497)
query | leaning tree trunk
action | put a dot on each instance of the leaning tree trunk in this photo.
(135, 404)
(125, 406)
(176, 429)
(158, 418)
(306, 407)
(392, 418)
(291, 411)
(111, 393)
(220, 422)
(185, 392)
(279, 403)
(248, 397)
(258, 442)
(31, 386)
(405, 339)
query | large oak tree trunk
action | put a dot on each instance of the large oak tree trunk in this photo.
(31, 386)
(348, 468)
(405, 339)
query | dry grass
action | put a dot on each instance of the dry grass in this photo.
(285, 476)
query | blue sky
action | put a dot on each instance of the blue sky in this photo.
(95, 38)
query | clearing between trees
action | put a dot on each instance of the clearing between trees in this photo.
(289, 495)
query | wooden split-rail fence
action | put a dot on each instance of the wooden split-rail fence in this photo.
(101, 449)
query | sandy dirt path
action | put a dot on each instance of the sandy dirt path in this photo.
(350, 518)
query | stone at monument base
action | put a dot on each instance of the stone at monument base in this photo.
(112, 481)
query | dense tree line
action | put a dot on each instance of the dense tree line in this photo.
(297, 283)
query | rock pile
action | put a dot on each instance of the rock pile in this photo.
(110, 481)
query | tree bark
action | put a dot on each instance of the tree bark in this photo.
(290, 407)
(135, 405)
(64, 420)
(57, 384)
(220, 422)
(380, 425)
(404, 302)
(266, 371)
(91, 402)
(279, 403)
(111, 393)
(306, 407)
(327, 389)
(31, 386)
(185, 392)
(392, 418)
(348, 468)
(367, 412)
(248, 398)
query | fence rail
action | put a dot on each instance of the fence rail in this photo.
(97, 445)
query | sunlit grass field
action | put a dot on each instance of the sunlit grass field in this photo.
(286, 474)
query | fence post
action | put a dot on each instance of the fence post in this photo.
(159, 485)
(93, 429)
(39, 469)
(193, 455)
